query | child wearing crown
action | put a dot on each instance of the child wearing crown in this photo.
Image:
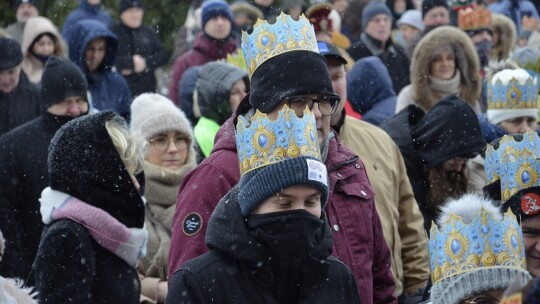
(286, 69)
(269, 238)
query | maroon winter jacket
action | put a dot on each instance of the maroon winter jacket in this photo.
(205, 49)
(351, 212)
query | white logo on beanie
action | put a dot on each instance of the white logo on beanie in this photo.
(317, 171)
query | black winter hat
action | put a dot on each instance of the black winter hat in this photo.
(33, 2)
(449, 129)
(428, 5)
(61, 79)
(289, 74)
(83, 162)
(11, 53)
(127, 4)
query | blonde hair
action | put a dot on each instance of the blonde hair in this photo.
(128, 146)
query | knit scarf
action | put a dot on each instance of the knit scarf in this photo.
(129, 244)
(443, 88)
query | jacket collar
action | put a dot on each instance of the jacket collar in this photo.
(213, 48)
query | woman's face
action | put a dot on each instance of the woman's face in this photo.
(44, 46)
(238, 92)
(443, 65)
(168, 150)
(519, 124)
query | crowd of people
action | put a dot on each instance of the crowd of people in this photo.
(302, 151)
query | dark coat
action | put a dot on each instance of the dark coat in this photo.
(393, 57)
(351, 212)
(23, 175)
(84, 12)
(144, 42)
(370, 91)
(71, 267)
(19, 106)
(109, 90)
(205, 49)
(450, 129)
(236, 270)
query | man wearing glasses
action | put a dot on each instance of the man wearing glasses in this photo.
(298, 78)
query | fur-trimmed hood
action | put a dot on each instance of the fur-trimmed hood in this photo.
(506, 29)
(466, 61)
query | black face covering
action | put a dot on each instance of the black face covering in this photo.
(287, 233)
(483, 48)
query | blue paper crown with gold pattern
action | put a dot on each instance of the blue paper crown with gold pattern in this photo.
(515, 163)
(269, 40)
(485, 242)
(267, 141)
(514, 94)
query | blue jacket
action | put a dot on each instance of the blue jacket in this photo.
(370, 90)
(110, 91)
(85, 11)
(524, 8)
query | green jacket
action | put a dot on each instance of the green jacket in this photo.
(205, 131)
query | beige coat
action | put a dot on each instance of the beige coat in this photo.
(35, 26)
(161, 192)
(401, 220)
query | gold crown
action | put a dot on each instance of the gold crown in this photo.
(470, 19)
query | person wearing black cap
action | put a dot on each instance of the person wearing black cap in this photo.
(88, 9)
(401, 219)
(140, 52)
(434, 13)
(23, 162)
(24, 10)
(375, 41)
(19, 99)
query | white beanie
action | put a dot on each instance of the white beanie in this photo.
(153, 114)
(511, 94)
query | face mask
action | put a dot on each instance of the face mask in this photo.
(483, 48)
(287, 233)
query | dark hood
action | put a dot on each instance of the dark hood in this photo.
(84, 32)
(369, 83)
(227, 232)
(214, 84)
(449, 129)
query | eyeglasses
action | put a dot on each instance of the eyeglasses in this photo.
(483, 301)
(162, 142)
(327, 103)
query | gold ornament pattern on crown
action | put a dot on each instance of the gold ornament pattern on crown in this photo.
(512, 95)
(474, 18)
(269, 40)
(460, 247)
(265, 141)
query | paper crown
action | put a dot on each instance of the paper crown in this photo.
(485, 242)
(512, 89)
(269, 40)
(457, 5)
(237, 59)
(474, 18)
(267, 141)
(515, 162)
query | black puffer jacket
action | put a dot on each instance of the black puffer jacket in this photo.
(237, 268)
(450, 129)
(19, 106)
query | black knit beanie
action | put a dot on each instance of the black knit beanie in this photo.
(83, 162)
(33, 2)
(11, 53)
(61, 79)
(449, 129)
(127, 4)
(289, 74)
(427, 5)
(258, 185)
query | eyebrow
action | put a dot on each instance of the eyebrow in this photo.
(316, 193)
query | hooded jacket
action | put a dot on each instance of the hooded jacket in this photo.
(370, 91)
(450, 129)
(35, 26)
(421, 89)
(506, 29)
(252, 274)
(19, 106)
(524, 8)
(70, 264)
(205, 49)
(85, 11)
(108, 89)
(359, 240)
(141, 41)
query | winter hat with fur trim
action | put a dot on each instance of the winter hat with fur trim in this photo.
(152, 114)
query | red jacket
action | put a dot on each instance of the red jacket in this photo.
(359, 240)
(204, 50)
